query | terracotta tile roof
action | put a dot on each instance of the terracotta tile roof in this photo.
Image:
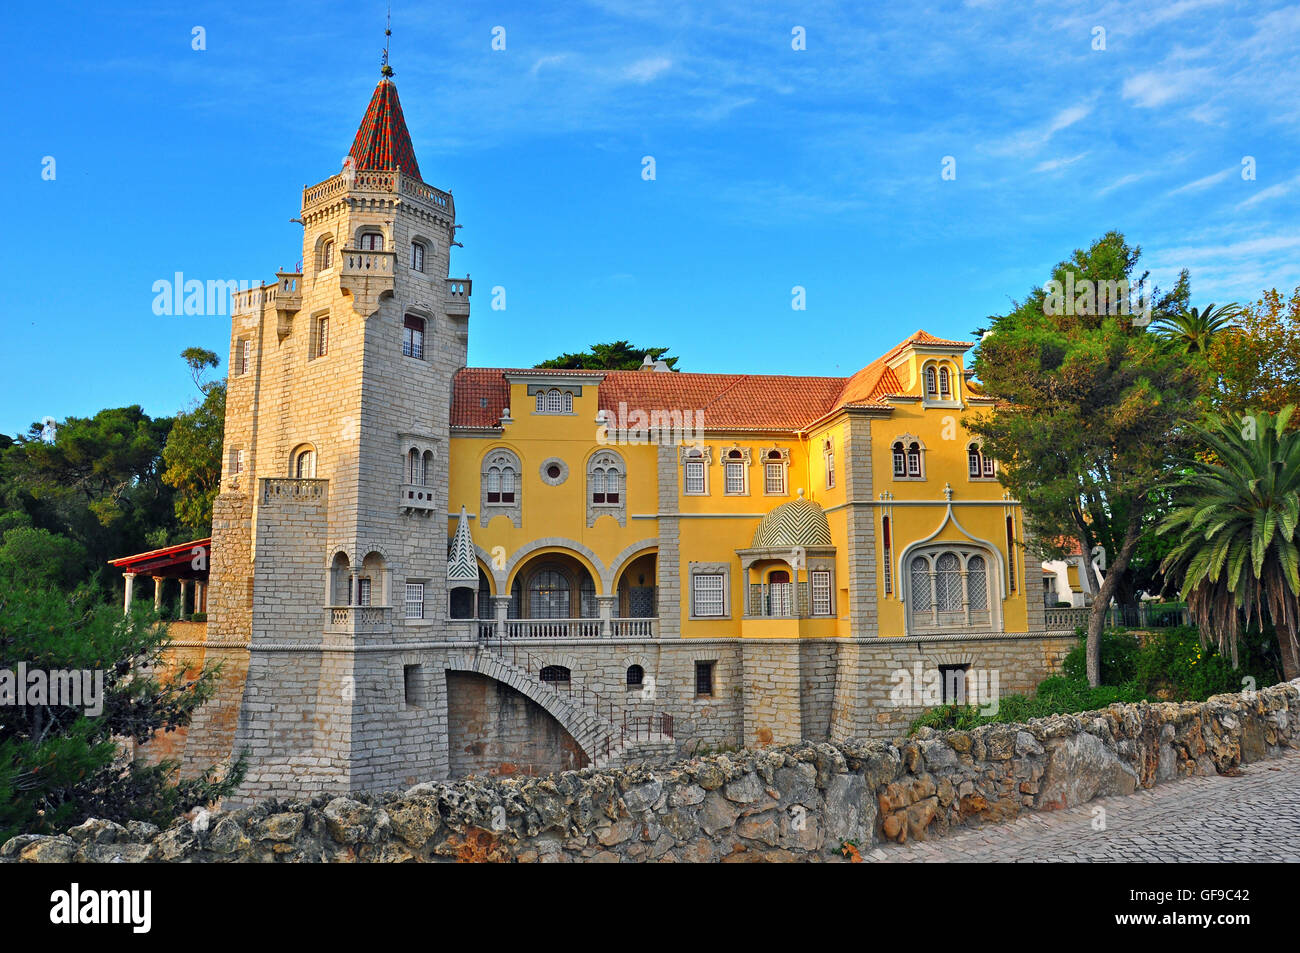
(382, 141)
(728, 401)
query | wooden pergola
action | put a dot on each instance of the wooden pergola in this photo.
(185, 562)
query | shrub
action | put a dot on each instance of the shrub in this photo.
(1119, 651)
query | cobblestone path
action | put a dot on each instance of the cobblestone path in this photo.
(1254, 817)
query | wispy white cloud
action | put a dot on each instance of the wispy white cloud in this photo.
(1030, 140)
(1270, 193)
(645, 70)
(1155, 88)
(1053, 165)
(1203, 183)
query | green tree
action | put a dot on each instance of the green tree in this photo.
(616, 356)
(96, 481)
(36, 558)
(1256, 362)
(1193, 331)
(1235, 527)
(192, 455)
(1091, 410)
(60, 764)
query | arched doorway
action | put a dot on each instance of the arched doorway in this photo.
(549, 592)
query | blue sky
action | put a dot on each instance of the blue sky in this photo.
(775, 168)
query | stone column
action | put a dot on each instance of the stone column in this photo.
(186, 586)
(129, 577)
(501, 608)
(200, 596)
(157, 592)
(606, 606)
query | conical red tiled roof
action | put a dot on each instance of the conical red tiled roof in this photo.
(383, 142)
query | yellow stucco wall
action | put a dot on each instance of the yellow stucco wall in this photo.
(713, 527)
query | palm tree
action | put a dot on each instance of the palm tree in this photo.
(1236, 518)
(1191, 331)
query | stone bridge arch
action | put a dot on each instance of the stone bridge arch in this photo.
(589, 731)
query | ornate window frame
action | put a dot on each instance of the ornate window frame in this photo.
(908, 441)
(694, 454)
(744, 461)
(709, 569)
(783, 460)
(610, 462)
(499, 458)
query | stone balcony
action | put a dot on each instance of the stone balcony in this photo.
(458, 292)
(358, 620)
(383, 182)
(417, 498)
(290, 491)
(367, 276)
(491, 629)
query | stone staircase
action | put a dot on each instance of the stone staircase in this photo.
(608, 736)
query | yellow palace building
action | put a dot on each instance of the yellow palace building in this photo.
(421, 569)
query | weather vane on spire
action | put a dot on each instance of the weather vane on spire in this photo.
(385, 69)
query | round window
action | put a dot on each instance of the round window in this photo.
(553, 471)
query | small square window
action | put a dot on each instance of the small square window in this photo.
(411, 679)
(953, 679)
(708, 595)
(704, 679)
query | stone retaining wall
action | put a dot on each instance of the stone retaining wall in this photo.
(801, 802)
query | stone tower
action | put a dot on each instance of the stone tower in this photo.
(334, 481)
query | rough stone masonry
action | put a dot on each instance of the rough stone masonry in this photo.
(801, 802)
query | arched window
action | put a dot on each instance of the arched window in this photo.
(931, 385)
(948, 582)
(900, 460)
(1011, 553)
(417, 256)
(555, 401)
(973, 460)
(949, 588)
(977, 583)
(414, 468)
(325, 254)
(889, 562)
(774, 474)
(604, 472)
(735, 472)
(426, 467)
(780, 602)
(920, 584)
(555, 674)
(372, 241)
(568, 402)
(914, 460)
(413, 337)
(549, 595)
(945, 383)
(304, 463)
(828, 455)
(635, 676)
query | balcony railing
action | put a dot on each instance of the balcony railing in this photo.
(417, 497)
(378, 180)
(361, 619)
(567, 629)
(636, 628)
(289, 490)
